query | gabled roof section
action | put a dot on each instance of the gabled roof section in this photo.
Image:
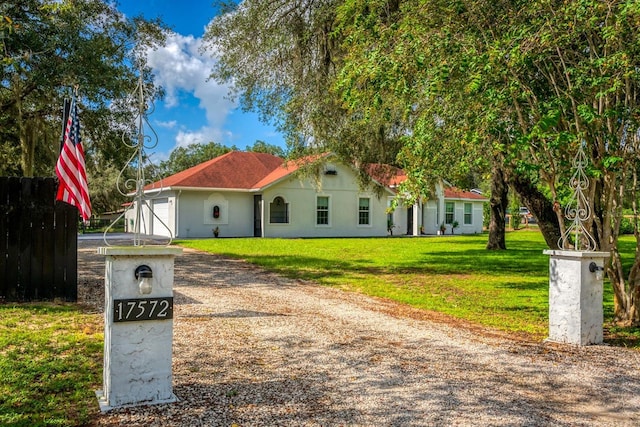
(387, 175)
(456, 193)
(241, 170)
(234, 170)
(287, 168)
(392, 177)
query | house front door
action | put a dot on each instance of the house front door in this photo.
(257, 215)
(410, 221)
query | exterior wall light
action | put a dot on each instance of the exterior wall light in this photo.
(144, 275)
(595, 268)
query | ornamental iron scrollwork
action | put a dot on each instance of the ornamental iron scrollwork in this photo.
(131, 180)
(578, 211)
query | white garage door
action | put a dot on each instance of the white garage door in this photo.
(161, 215)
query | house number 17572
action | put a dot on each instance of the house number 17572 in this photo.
(132, 310)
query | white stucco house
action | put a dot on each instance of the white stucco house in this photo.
(245, 194)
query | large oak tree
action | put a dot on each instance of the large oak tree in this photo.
(48, 49)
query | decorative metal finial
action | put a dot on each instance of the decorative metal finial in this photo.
(143, 191)
(578, 212)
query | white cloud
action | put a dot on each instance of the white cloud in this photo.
(180, 68)
(167, 125)
(201, 136)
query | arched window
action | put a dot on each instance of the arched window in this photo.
(278, 211)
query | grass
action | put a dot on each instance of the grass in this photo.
(50, 364)
(102, 226)
(454, 275)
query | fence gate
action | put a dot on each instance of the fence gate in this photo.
(38, 242)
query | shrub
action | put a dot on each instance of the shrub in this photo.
(626, 225)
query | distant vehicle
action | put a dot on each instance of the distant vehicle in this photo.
(526, 216)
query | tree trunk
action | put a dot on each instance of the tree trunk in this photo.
(540, 207)
(498, 203)
(608, 195)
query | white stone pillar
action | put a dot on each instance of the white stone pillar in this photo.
(575, 296)
(138, 328)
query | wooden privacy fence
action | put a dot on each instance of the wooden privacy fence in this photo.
(38, 242)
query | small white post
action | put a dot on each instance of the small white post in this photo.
(138, 326)
(575, 296)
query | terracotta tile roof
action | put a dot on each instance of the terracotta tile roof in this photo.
(456, 193)
(392, 176)
(388, 175)
(287, 168)
(235, 170)
(277, 174)
(240, 170)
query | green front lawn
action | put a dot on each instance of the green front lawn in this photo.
(50, 364)
(454, 275)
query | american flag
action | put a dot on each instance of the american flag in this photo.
(70, 167)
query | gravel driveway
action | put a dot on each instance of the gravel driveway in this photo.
(254, 349)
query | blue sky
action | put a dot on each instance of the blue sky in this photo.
(194, 110)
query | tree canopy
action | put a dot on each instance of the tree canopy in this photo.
(263, 147)
(524, 82)
(49, 48)
(527, 83)
(282, 58)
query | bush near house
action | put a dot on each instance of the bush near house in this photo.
(626, 226)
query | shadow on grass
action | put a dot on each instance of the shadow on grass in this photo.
(431, 272)
(444, 263)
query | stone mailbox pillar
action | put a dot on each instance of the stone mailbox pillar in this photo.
(575, 296)
(138, 326)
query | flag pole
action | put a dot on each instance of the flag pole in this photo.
(65, 116)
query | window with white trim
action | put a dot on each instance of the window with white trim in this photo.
(468, 214)
(364, 216)
(449, 209)
(322, 210)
